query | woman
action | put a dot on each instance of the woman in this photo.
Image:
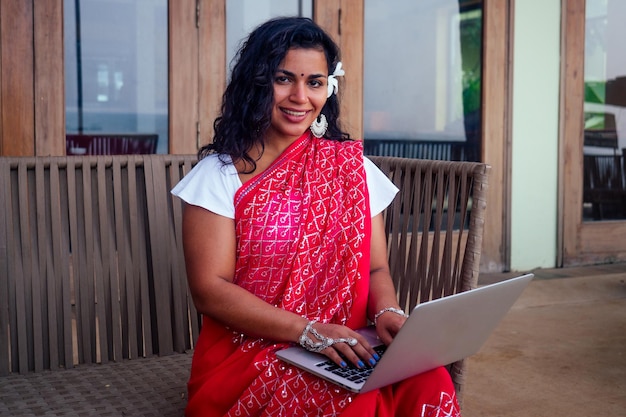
(284, 243)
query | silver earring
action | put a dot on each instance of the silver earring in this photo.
(319, 126)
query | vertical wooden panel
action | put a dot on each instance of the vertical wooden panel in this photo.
(344, 21)
(160, 269)
(571, 125)
(211, 65)
(101, 257)
(16, 89)
(178, 286)
(23, 277)
(583, 243)
(5, 187)
(54, 254)
(85, 244)
(11, 261)
(15, 268)
(62, 271)
(172, 295)
(76, 265)
(38, 270)
(183, 76)
(124, 261)
(49, 78)
(2, 40)
(138, 245)
(496, 131)
(178, 169)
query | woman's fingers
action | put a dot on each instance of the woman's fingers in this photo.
(388, 327)
(343, 351)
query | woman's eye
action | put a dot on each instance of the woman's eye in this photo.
(282, 79)
(316, 83)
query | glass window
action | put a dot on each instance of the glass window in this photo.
(422, 78)
(604, 191)
(242, 16)
(116, 76)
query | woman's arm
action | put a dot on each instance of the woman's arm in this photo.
(382, 292)
(210, 250)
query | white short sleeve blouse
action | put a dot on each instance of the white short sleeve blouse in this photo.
(212, 185)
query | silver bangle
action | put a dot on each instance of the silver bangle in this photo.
(391, 309)
(324, 342)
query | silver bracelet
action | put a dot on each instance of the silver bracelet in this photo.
(324, 342)
(391, 309)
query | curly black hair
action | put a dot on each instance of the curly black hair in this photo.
(247, 101)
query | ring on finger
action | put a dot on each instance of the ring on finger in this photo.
(351, 341)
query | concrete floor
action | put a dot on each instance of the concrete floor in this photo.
(560, 351)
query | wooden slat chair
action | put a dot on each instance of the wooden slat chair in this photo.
(435, 230)
(90, 261)
(92, 269)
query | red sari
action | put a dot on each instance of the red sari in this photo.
(303, 238)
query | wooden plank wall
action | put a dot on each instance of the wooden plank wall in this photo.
(32, 105)
(16, 77)
(49, 83)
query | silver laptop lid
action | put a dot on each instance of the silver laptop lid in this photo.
(436, 333)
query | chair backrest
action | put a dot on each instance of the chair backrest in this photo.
(92, 267)
(90, 260)
(435, 230)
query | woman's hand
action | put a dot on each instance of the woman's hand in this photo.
(360, 355)
(388, 325)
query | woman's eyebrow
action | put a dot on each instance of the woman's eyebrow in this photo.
(291, 74)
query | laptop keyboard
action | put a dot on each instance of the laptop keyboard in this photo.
(351, 373)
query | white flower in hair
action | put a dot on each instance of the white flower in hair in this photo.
(333, 84)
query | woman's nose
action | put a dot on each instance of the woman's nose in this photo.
(298, 94)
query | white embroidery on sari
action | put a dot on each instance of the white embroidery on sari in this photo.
(447, 407)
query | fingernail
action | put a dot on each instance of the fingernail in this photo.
(360, 364)
(343, 364)
(372, 362)
(375, 355)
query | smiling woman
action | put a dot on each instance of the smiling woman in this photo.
(284, 243)
(298, 99)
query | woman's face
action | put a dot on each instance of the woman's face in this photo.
(300, 89)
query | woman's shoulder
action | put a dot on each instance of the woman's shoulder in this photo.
(218, 167)
(211, 184)
(214, 160)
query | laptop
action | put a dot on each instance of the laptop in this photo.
(437, 333)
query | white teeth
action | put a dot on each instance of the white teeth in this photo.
(294, 113)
